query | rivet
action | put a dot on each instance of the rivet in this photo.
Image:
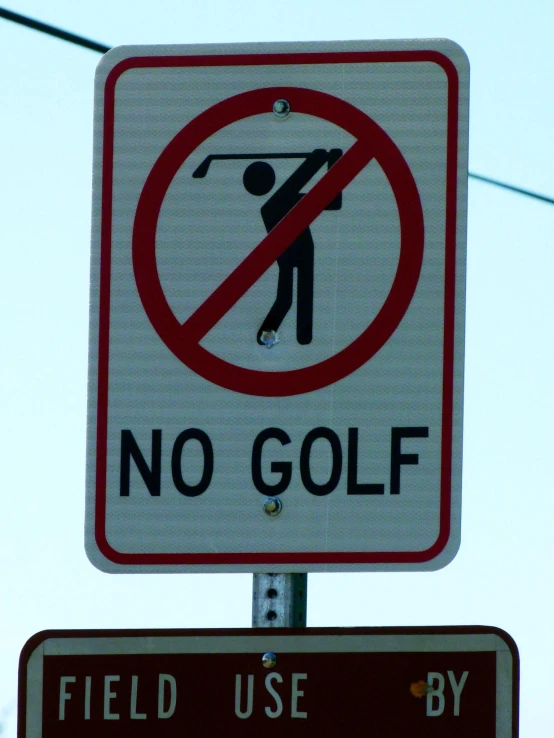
(269, 660)
(269, 338)
(272, 506)
(281, 108)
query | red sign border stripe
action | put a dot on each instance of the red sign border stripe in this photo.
(296, 558)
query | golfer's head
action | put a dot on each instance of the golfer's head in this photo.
(258, 178)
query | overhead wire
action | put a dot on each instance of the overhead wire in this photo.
(512, 188)
(73, 38)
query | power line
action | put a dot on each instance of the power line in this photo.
(513, 188)
(53, 31)
(102, 49)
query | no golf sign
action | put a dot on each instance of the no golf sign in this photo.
(277, 307)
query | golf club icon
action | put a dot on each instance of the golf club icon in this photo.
(259, 179)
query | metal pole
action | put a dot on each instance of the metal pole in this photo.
(279, 600)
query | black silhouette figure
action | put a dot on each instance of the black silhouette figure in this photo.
(259, 180)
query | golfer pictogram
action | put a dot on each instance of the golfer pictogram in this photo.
(259, 180)
(286, 223)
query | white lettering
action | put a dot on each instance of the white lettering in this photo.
(134, 693)
(274, 676)
(249, 696)
(296, 693)
(88, 686)
(163, 680)
(457, 689)
(64, 694)
(435, 693)
(108, 697)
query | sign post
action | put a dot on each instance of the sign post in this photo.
(277, 307)
(421, 682)
(279, 600)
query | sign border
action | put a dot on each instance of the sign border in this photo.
(269, 634)
(300, 560)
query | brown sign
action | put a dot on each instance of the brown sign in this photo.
(390, 682)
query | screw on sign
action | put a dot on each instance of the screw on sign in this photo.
(386, 682)
(305, 200)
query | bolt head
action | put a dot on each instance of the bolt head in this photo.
(272, 506)
(281, 108)
(269, 660)
(269, 338)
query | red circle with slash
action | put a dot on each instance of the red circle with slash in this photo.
(184, 338)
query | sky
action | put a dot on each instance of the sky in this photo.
(502, 573)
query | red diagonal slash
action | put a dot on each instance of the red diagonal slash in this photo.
(371, 141)
(276, 242)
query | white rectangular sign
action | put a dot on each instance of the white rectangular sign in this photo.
(277, 307)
